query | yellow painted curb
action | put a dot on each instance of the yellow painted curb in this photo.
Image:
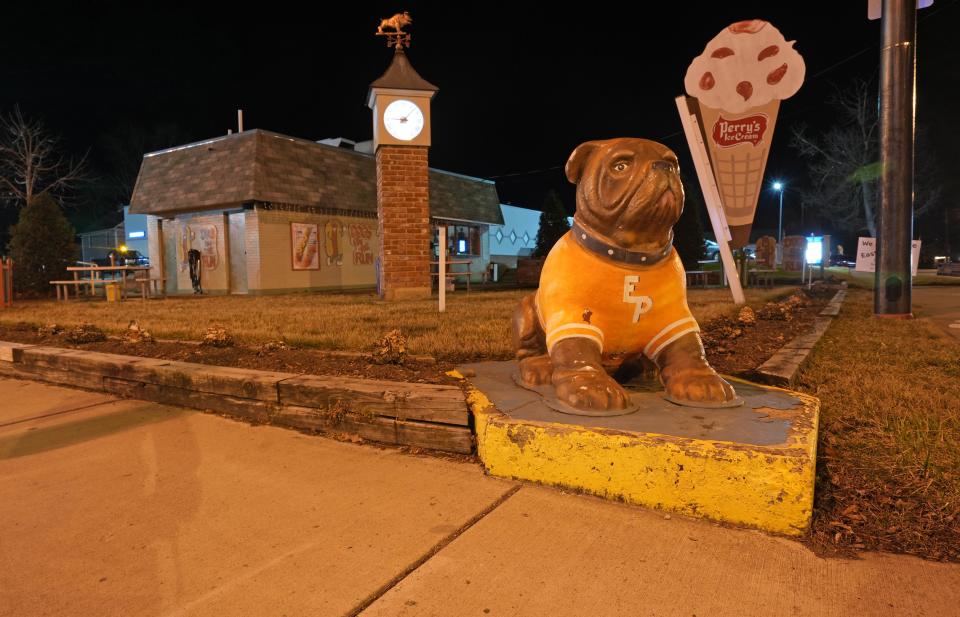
(766, 487)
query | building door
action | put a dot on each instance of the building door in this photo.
(238, 252)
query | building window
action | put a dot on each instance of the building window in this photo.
(462, 240)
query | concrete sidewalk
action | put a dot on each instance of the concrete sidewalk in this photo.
(113, 507)
(941, 304)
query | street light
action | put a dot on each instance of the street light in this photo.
(778, 186)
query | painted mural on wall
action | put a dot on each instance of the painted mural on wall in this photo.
(305, 239)
(333, 235)
(360, 236)
(202, 237)
(766, 251)
(793, 249)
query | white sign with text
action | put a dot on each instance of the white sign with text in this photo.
(867, 255)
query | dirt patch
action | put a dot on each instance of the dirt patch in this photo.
(266, 357)
(738, 345)
(734, 346)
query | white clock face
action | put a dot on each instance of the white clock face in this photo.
(403, 119)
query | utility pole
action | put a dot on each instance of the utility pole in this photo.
(892, 294)
(778, 186)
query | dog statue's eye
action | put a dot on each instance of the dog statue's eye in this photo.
(620, 166)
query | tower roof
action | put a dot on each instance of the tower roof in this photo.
(401, 75)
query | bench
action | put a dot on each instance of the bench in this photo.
(63, 287)
(761, 278)
(153, 285)
(453, 275)
(949, 269)
(698, 278)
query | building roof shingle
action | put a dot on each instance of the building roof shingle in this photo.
(263, 166)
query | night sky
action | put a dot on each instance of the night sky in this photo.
(520, 85)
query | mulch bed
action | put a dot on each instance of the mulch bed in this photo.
(733, 348)
(738, 346)
(264, 358)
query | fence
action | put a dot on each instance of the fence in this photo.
(98, 244)
(6, 282)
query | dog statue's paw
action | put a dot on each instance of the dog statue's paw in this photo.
(589, 389)
(699, 385)
(536, 370)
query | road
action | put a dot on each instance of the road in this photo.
(120, 507)
(941, 304)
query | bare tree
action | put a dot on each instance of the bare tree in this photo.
(844, 164)
(32, 161)
(125, 146)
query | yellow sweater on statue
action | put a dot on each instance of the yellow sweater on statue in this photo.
(621, 307)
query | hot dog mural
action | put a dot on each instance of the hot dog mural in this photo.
(333, 233)
(304, 244)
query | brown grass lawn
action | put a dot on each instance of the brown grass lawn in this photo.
(889, 452)
(476, 325)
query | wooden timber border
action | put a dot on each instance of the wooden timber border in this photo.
(782, 368)
(393, 412)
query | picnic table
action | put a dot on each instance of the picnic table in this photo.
(95, 277)
(698, 278)
(762, 278)
(450, 262)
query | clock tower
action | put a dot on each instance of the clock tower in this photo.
(400, 100)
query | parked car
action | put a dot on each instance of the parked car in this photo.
(842, 261)
(711, 250)
(127, 257)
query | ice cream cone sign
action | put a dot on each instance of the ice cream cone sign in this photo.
(738, 82)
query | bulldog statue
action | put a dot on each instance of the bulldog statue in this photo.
(614, 286)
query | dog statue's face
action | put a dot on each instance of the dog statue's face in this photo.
(628, 190)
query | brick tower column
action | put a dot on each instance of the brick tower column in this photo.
(403, 211)
(400, 100)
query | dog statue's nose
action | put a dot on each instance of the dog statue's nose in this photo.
(663, 166)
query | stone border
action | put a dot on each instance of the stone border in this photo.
(412, 414)
(781, 369)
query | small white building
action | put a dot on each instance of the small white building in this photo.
(270, 213)
(517, 237)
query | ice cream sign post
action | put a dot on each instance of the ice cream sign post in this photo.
(734, 89)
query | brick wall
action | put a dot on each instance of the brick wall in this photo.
(403, 208)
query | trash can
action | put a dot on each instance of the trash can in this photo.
(113, 292)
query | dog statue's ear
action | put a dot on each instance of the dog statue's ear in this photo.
(577, 160)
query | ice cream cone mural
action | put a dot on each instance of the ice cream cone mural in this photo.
(738, 82)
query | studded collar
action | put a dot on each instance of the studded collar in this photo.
(616, 253)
